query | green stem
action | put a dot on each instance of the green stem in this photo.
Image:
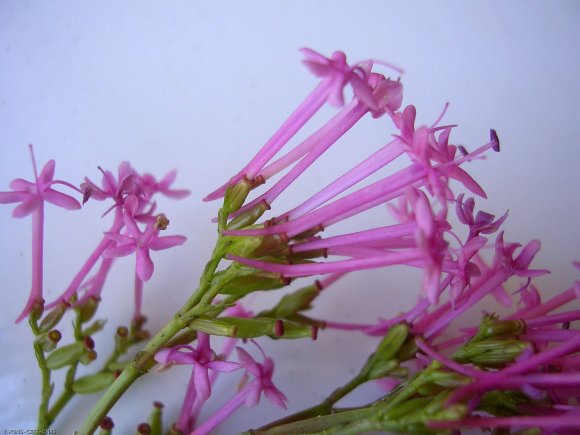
(46, 391)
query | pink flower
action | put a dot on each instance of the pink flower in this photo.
(33, 194)
(203, 359)
(140, 243)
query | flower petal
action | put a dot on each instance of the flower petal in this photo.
(47, 172)
(275, 396)
(223, 366)
(201, 380)
(159, 243)
(60, 199)
(27, 207)
(144, 266)
(120, 251)
(248, 362)
(11, 197)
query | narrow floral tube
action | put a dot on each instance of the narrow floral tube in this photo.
(369, 166)
(372, 235)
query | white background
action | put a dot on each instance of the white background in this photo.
(199, 86)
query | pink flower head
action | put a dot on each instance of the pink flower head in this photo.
(338, 74)
(519, 265)
(202, 358)
(262, 381)
(151, 186)
(482, 223)
(141, 242)
(32, 194)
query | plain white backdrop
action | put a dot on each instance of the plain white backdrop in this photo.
(199, 87)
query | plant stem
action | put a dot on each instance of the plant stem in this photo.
(46, 392)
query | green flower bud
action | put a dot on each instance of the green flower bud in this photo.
(143, 429)
(121, 339)
(64, 356)
(53, 317)
(88, 309)
(88, 357)
(236, 195)
(214, 327)
(95, 327)
(117, 366)
(250, 217)
(93, 383)
(106, 426)
(449, 379)
(503, 328)
(48, 340)
(390, 346)
(292, 303)
(239, 280)
(274, 245)
(492, 353)
(382, 368)
(156, 419)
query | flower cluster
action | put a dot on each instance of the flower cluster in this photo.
(515, 371)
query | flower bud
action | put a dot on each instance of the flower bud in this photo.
(382, 368)
(95, 327)
(53, 317)
(48, 340)
(236, 195)
(88, 357)
(392, 343)
(143, 429)
(503, 328)
(250, 217)
(239, 280)
(88, 309)
(121, 339)
(214, 327)
(449, 379)
(64, 356)
(93, 383)
(156, 419)
(492, 353)
(106, 426)
(37, 310)
(292, 303)
(274, 245)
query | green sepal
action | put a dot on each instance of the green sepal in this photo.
(240, 280)
(258, 327)
(64, 356)
(53, 317)
(249, 217)
(93, 383)
(294, 302)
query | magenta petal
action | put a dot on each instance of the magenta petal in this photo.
(22, 185)
(27, 207)
(162, 356)
(120, 251)
(201, 379)
(177, 193)
(62, 200)
(47, 173)
(223, 366)
(254, 391)
(527, 254)
(10, 197)
(168, 179)
(160, 243)
(248, 362)
(131, 225)
(276, 397)
(144, 266)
